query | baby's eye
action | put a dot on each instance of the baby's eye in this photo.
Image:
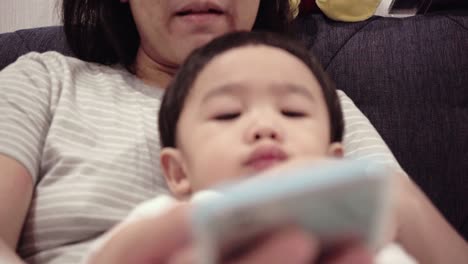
(293, 114)
(227, 116)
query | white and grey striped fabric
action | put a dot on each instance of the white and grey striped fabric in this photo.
(88, 136)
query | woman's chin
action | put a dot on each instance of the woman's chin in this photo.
(194, 41)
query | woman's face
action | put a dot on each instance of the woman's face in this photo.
(171, 29)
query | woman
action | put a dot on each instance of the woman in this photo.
(78, 140)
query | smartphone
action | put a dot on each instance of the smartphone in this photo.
(337, 200)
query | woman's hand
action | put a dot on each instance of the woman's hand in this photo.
(167, 239)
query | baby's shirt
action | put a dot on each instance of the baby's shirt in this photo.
(390, 254)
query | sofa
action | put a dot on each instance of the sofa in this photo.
(408, 76)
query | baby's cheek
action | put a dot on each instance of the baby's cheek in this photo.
(213, 171)
(312, 148)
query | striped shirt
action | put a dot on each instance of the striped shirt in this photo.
(88, 136)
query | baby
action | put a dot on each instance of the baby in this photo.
(239, 106)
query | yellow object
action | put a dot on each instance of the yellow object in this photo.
(347, 10)
(294, 7)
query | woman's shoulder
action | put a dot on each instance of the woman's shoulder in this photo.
(48, 58)
(55, 61)
(55, 69)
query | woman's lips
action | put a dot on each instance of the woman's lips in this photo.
(206, 19)
(200, 7)
(200, 17)
(200, 12)
(265, 157)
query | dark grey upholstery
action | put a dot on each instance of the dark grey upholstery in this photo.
(409, 76)
(15, 44)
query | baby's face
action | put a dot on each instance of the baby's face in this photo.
(250, 108)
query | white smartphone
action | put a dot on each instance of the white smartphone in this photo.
(333, 201)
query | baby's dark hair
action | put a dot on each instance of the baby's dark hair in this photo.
(178, 90)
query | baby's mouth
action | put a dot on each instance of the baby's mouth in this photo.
(263, 164)
(265, 157)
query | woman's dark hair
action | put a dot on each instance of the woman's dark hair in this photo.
(104, 31)
(178, 90)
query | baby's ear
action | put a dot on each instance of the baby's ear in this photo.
(174, 172)
(336, 150)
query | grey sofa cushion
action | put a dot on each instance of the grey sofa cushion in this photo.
(410, 77)
(15, 44)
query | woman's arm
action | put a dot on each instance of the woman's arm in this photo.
(24, 122)
(15, 196)
(424, 232)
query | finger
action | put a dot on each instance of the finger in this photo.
(350, 254)
(287, 246)
(149, 240)
(184, 256)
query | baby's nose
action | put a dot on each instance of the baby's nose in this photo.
(265, 133)
(264, 130)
